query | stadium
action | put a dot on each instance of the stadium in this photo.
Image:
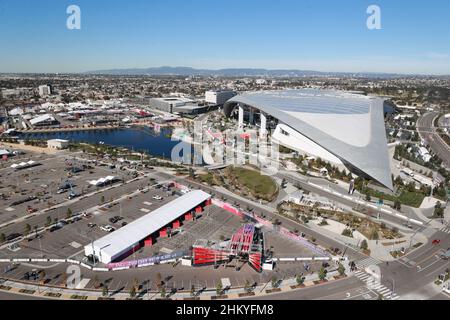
(342, 128)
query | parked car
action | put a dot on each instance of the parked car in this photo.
(124, 224)
(113, 220)
(91, 225)
(107, 228)
(54, 228)
(157, 197)
(13, 236)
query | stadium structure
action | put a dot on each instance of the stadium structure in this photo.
(340, 127)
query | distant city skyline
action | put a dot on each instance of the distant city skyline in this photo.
(321, 35)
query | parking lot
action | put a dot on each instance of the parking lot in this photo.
(39, 187)
(96, 207)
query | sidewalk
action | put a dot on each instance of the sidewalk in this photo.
(263, 289)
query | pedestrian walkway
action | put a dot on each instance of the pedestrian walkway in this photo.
(362, 264)
(446, 230)
(377, 287)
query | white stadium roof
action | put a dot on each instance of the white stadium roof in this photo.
(115, 244)
(349, 126)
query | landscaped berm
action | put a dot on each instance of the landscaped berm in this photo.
(250, 181)
(246, 181)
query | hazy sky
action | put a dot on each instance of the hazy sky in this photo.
(323, 35)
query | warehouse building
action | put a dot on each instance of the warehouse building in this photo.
(141, 232)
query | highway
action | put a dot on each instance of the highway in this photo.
(427, 131)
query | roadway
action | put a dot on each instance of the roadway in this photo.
(427, 132)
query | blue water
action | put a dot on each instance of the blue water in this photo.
(137, 139)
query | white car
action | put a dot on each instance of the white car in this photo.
(157, 198)
(107, 228)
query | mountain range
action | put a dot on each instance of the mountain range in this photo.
(235, 72)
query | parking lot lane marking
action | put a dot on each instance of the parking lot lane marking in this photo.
(83, 283)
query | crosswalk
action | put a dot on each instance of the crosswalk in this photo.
(361, 264)
(377, 287)
(446, 230)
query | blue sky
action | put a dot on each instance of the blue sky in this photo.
(324, 35)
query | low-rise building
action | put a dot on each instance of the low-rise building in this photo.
(58, 144)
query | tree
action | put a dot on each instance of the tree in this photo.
(219, 288)
(55, 221)
(69, 213)
(27, 229)
(162, 291)
(368, 197)
(192, 290)
(322, 273)
(48, 221)
(364, 245)
(274, 282)
(300, 279)
(438, 210)
(102, 199)
(132, 292)
(36, 230)
(397, 205)
(2, 238)
(105, 291)
(247, 286)
(341, 269)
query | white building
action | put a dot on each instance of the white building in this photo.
(45, 90)
(45, 119)
(424, 154)
(115, 245)
(58, 144)
(219, 97)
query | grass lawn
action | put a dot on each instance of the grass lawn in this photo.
(259, 185)
(413, 199)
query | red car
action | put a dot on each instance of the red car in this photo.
(436, 241)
